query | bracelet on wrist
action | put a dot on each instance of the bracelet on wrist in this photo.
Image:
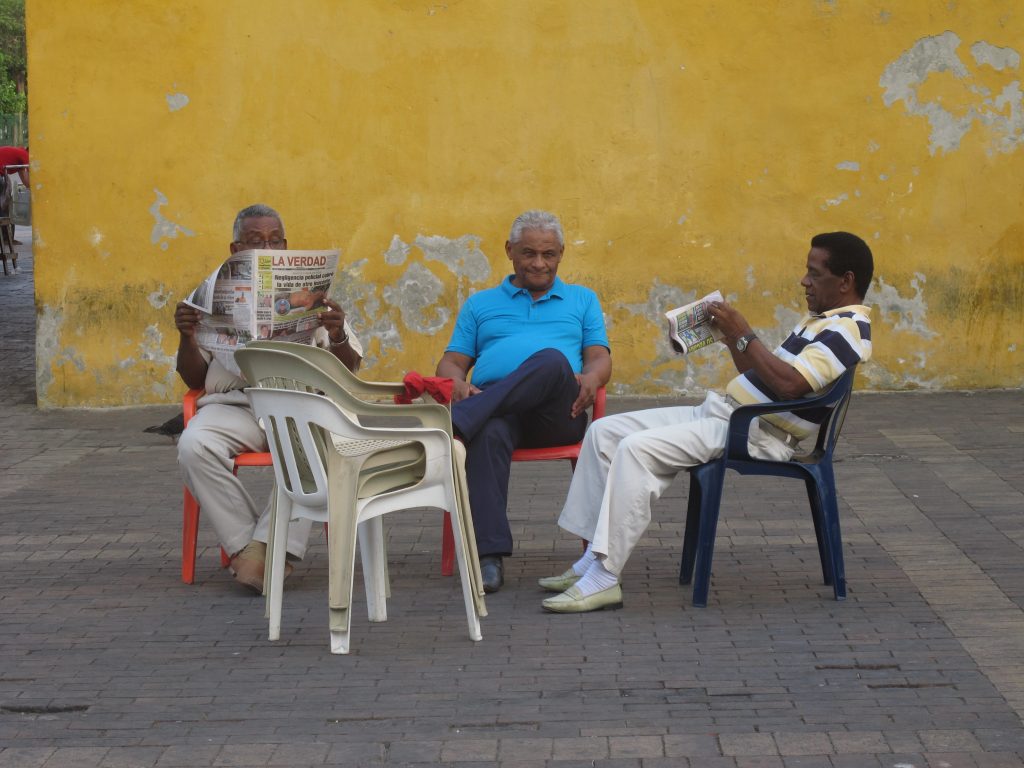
(342, 342)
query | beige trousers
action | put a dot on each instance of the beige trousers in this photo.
(628, 460)
(206, 455)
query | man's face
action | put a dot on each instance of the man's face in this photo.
(824, 291)
(260, 232)
(535, 260)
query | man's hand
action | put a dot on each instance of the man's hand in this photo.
(463, 389)
(589, 384)
(186, 319)
(597, 369)
(333, 319)
(728, 320)
(455, 366)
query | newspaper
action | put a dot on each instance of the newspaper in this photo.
(690, 327)
(262, 294)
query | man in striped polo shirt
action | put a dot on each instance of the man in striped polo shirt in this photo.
(629, 460)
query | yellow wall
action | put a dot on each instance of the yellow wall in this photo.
(687, 146)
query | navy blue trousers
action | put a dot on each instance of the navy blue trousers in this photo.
(529, 408)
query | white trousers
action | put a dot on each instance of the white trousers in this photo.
(206, 455)
(628, 460)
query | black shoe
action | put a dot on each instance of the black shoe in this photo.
(493, 573)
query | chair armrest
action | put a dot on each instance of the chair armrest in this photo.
(189, 404)
(432, 415)
(737, 441)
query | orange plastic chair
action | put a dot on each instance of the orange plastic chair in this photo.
(190, 528)
(569, 452)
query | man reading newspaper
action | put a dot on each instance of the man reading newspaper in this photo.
(225, 426)
(628, 460)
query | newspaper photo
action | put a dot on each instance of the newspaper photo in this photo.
(262, 294)
(690, 328)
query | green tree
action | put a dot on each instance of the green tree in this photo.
(13, 82)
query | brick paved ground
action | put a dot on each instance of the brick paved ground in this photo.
(109, 660)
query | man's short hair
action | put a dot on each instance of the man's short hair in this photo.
(847, 253)
(541, 220)
(256, 211)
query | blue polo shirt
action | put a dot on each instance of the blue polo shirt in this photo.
(502, 326)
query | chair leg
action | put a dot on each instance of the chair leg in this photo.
(189, 536)
(462, 556)
(713, 476)
(447, 546)
(341, 549)
(689, 557)
(824, 549)
(832, 533)
(277, 553)
(371, 550)
(190, 539)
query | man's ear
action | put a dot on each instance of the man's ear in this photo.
(849, 282)
(508, 249)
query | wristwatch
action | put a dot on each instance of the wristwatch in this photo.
(743, 341)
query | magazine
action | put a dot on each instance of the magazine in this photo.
(690, 327)
(262, 294)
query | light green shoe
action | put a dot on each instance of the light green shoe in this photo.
(573, 601)
(559, 583)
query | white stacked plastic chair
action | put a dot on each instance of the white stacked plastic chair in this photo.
(321, 479)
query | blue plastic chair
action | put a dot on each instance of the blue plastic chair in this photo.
(814, 468)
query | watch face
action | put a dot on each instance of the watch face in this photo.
(741, 344)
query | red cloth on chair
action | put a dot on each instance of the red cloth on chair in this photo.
(415, 385)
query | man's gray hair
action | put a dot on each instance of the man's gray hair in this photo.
(542, 220)
(257, 211)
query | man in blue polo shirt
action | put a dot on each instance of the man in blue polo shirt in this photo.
(539, 353)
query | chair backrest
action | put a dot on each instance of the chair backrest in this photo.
(281, 367)
(294, 421)
(326, 361)
(837, 399)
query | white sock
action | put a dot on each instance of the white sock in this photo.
(596, 579)
(581, 565)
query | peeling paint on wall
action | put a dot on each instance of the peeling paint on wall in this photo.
(995, 57)
(49, 353)
(363, 309)
(416, 295)
(906, 313)
(176, 101)
(164, 229)
(848, 165)
(158, 299)
(397, 251)
(1003, 113)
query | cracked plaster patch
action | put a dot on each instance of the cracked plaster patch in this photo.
(1003, 114)
(415, 293)
(363, 310)
(910, 312)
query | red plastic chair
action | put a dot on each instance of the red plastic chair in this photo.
(569, 452)
(190, 529)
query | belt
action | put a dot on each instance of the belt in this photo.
(765, 426)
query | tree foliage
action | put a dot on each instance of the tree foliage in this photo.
(13, 84)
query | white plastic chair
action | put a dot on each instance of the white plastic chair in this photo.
(286, 365)
(319, 451)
